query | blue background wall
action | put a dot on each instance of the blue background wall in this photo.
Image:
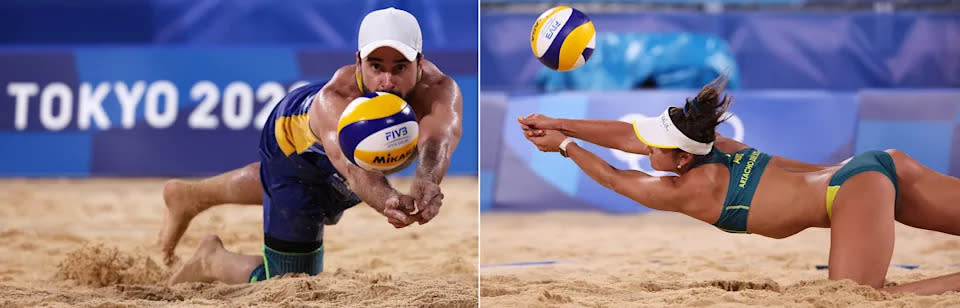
(72, 62)
(773, 49)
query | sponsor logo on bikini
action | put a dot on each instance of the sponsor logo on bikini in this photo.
(748, 168)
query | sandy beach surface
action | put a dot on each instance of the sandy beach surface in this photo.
(92, 243)
(585, 259)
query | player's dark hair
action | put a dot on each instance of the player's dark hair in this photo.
(699, 117)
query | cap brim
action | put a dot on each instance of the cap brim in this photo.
(408, 52)
(653, 133)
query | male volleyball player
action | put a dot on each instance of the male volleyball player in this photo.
(303, 179)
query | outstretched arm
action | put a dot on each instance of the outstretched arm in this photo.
(371, 187)
(606, 133)
(440, 132)
(656, 192)
(661, 193)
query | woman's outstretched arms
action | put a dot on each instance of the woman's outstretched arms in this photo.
(661, 193)
(606, 133)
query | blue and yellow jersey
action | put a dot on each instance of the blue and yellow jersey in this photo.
(289, 123)
(302, 189)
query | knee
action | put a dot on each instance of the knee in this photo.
(248, 174)
(173, 187)
(252, 169)
(865, 280)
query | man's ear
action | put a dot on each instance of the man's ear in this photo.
(419, 66)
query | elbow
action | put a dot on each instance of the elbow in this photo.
(456, 133)
(609, 179)
(441, 143)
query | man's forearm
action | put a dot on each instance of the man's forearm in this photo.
(434, 160)
(373, 188)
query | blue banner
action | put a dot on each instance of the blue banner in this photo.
(183, 87)
(772, 50)
(923, 124)
(159, 111)
(332, 24)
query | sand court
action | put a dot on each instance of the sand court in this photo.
(91, 243)
(577, 259)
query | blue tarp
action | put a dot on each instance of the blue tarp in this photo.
(625, 61)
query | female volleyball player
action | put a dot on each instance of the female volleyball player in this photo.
(724, 182)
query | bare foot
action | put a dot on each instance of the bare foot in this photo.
(197, 268)
(180, 210)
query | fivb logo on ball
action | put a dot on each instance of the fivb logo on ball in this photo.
(378, 131)
(563, 38)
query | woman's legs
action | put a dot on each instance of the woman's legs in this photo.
(927, 199)
(861, 230)
(862, 237)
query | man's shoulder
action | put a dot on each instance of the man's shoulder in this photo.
(345, 71)
(435, 81)
(341, 83)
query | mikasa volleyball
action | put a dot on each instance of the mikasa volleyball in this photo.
(378, 131)
(563, 38)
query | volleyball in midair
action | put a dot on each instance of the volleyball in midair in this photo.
(563, 38)
(378, 131)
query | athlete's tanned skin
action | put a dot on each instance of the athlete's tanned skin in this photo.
(789, 198)
(435, 98)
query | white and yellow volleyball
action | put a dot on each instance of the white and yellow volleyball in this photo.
(378, 131)
(563, 38)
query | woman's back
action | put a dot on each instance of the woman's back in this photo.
(776, 198)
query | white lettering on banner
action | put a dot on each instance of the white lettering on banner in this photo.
(61, 92)
(22, 91)
(160, 104)
(269, 93)
(151, 109)
(237, 105)
(201, 118)
(633, 160)
(90, 105)
(129, 98)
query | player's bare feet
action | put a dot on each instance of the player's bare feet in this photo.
(197, 268)
(180, 210)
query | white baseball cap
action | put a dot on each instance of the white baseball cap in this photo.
(661, 132)
(392, 28)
